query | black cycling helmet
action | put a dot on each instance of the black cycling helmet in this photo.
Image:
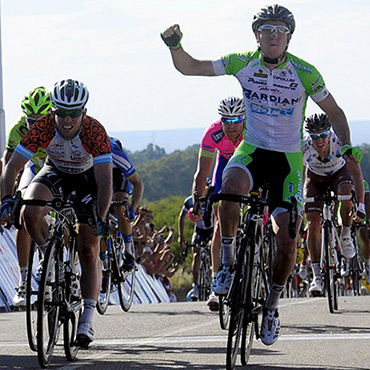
(317, 123)
(273, 13)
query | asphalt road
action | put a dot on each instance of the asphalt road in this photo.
(188, 336)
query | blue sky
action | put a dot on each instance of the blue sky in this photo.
(114, 47)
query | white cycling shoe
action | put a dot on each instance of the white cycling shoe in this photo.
(270, 328)
(346, 246)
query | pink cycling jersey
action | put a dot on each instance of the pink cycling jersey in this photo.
(214, 138)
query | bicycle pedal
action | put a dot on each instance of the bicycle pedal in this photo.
(82, 341)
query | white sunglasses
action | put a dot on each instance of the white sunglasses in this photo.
(269, 28)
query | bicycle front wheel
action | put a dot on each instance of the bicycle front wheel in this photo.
(48, 305)
(238, 298)
(126, 289)
(106, 286)
(31, 299)
(224, 312)
(330, 268)
(73, 305)
(204, 279)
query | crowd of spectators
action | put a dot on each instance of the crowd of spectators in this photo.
(153, 249)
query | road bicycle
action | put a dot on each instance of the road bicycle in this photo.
(249, 287)
(114, 274)
(330, 252)
(57, 301)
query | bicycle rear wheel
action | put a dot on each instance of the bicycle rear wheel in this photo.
(239, 301)
(106, 286)
(31, 300)
(48, 309)
(74, 305)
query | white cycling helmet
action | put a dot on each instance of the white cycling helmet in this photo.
(69, 94)
(231, 107)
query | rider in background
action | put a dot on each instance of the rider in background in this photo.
(34, 105)
(201, 233)
(125, 175)
(364, 233)
(223, 136)
(79, 161)
(326, 167)
(276, 85)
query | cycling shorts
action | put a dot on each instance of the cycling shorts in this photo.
(283, 172)
(316, 185)
(62, 184)
(120, 183)
(202, 235)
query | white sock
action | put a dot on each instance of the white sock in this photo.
(88, 312)
(346, 231)
(316, 270)
(228, 249)
(23, 277)
(272, 301)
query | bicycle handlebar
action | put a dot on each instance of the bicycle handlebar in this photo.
(327, 198)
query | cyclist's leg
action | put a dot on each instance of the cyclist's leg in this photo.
(195, 264)
(364, 235)
(91, 277)
(344, 186)
(34, 216)
(284, 174)
(236, 179)
(22, 239)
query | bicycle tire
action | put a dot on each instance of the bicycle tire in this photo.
(126, 290)
(125, 281)
(249, 322)
(104, 294)
(74, 300)
(223, 312)
(355, 275)
(354, 266)
(238, 299)
(204, 278)
(329, 269)
(48, 309)
(31, 301)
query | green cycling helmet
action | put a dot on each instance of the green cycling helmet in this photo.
(38, 101)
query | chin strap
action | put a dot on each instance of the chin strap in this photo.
(269, 60)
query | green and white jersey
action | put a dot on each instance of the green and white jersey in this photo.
(275, 100)
(16, 134)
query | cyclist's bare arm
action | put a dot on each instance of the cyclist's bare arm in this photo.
(181, 227)
(184, 62)
(138, 191)
(337, 119)
(10, 173)
(103, 178)
(201, 174)
(358, 182)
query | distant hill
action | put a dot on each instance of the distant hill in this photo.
(180, 139)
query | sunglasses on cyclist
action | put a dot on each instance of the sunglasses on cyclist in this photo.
(323, 135)
(269, 28)
(235, 120)
(31, 121)
(72, 113)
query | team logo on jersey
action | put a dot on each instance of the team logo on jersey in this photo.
(273, 90)
(301, 67)
(217, 136)
(253, 95)
(260, 73)
(252, 80)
